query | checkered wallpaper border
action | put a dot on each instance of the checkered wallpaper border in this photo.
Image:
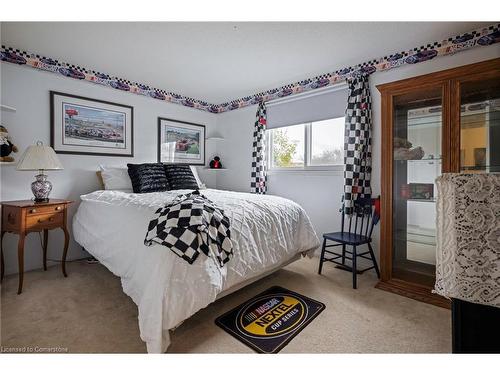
(481, 37)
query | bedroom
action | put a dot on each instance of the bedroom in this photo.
(198, 171)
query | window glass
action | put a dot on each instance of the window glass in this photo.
(327, 142)
(480, 126)
(288, 147)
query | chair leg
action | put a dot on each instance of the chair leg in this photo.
(374, 260)
(322, 256)
(354, 267)
(343, 253)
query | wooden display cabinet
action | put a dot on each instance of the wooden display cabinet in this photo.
(448, 121)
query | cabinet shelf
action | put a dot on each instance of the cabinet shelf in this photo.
(420, 239)
(419, 160)
(490, 113)
(465, 120)
(7, 108)
(477, 167)
(437, 124)
(433, 200)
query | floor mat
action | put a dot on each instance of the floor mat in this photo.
(270, 320)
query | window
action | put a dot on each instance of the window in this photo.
(313, 145)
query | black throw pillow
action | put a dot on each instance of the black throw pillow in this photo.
(148, 177)
(180, 177)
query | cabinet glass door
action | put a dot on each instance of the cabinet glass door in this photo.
(417, 162)
(480, 126)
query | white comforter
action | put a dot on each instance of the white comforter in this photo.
(266, 231)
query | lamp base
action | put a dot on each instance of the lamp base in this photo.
(41, 188)
(41, 200)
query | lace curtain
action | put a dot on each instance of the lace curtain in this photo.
(468, 237)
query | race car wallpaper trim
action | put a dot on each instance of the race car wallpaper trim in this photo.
(16, 56)
(480, 37)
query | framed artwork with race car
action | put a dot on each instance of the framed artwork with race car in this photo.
(180, 142)
(82, 125)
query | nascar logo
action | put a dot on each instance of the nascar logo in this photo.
(271, 316)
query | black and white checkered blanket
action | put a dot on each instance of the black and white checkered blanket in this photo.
(189, 224)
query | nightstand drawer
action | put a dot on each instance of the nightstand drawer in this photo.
(44, 221)
(44, 209)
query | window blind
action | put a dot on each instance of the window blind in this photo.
(330, 104)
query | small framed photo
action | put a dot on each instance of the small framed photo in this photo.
(480, 158)
(180, 142)
(88, 126)
(421, 191)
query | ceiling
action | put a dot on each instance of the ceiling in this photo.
(219, 61)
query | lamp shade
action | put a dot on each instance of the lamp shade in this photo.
(38, 157)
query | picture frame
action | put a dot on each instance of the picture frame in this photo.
(86, 126)
(180, 142)
(421, 191)
(480, 157)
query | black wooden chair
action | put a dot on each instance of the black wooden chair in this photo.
(356, 231)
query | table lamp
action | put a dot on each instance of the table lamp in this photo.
(40, 158)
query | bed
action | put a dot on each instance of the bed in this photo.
(268, 232)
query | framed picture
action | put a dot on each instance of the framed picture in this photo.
(180, 142)
(421, 191)
(480, 157)
(88, 126)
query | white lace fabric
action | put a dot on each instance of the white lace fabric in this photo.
(468, 237)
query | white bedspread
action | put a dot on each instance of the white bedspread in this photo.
(266, 231)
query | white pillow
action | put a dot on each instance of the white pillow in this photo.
(116, 178)
(201, 185)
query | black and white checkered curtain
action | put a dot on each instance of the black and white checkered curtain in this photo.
(357, 144)
(259, 173)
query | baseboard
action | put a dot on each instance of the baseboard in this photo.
(413, 291)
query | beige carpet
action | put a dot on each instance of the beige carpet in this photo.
(89, 313)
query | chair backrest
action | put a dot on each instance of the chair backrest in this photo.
(361, 220)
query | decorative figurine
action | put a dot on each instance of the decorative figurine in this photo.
(403, 150)
(215, 163)
(6, 146)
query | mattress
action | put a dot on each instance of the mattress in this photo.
(266, 231)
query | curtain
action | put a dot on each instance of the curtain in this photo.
(357, 143)
(468, 237)
(259, 173)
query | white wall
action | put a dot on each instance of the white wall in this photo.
(320, 192)
(27, 90)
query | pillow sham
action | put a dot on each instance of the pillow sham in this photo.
(116, 178)
(180, 177)
(148, 177)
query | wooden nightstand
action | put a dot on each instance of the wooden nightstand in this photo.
(23, 217)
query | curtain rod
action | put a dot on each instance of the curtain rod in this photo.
(307, 94)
